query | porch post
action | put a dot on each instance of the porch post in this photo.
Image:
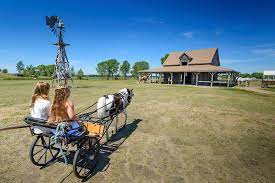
(171, 77)
(228, 79)
(184, 78)
(157, 74)
(212, 78)
(181, 78)
(197, 78)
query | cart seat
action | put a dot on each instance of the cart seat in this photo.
(40, 126)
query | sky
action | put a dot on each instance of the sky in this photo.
(97, 30)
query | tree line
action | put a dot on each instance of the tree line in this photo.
(112, 68)
(109, 69)
(257, 75)
(43, 70)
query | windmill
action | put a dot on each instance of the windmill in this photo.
(62, 72)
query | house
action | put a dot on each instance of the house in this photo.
(195, 67)
(268, 78)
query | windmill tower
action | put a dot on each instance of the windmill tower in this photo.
(62, 72)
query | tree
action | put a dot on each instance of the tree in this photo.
(29, 71)
(162, 60)
(113, 66)
(72, 71)
(101, 69)
(80, 74)
(125, 68)
(50, 70)
(5, 71)
(245, 75)
(42, 70)
(108, 68)
(20, 67)
(257, 75)
(138, 66)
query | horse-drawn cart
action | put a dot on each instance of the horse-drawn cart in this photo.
(50, 141)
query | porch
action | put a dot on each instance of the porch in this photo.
(194, 78)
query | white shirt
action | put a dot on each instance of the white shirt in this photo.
(41, 109)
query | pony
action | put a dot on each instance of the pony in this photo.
(241, 80)
(114, 104)
(143, 78)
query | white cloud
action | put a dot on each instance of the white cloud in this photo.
(264, 51)
(187, 34)
(152, 20)
(267, 45)
(231, 61)
(148, 20)
(218, 33)
(246, 60)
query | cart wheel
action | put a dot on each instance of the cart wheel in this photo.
(86, 157)
(41, 153)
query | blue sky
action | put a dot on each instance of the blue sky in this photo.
(244, 31)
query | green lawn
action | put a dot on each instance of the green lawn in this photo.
(183, 134)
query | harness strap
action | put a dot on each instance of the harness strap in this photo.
(58, 137)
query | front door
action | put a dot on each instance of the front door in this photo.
(188, 78)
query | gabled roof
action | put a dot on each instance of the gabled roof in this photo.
(204, 56)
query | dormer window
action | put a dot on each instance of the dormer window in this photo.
(185, 59)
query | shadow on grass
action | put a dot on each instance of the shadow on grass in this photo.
(106, 149)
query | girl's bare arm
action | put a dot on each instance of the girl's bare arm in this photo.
(70, 111)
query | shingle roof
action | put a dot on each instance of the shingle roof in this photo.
(190, 68)
(203, 56)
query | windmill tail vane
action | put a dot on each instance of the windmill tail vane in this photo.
(62, 72)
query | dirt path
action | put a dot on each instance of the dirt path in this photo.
(256, 89)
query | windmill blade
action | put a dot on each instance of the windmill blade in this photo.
(47, 20)
(51, 21)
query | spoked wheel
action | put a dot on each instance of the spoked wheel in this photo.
(86, 157)
(42, 152)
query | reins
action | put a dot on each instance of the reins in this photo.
(87, 108)
(14, 127)
(96, 103)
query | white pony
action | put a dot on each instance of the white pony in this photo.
(244, 80)
(112, 105)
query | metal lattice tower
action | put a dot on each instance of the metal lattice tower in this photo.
(62, 72)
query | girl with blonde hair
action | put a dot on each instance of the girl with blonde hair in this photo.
(40, 103)
(62, 108)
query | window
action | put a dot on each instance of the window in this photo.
(183, 63)
(185, 59)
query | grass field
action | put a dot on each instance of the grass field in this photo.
(272, 89)
(174, 134)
